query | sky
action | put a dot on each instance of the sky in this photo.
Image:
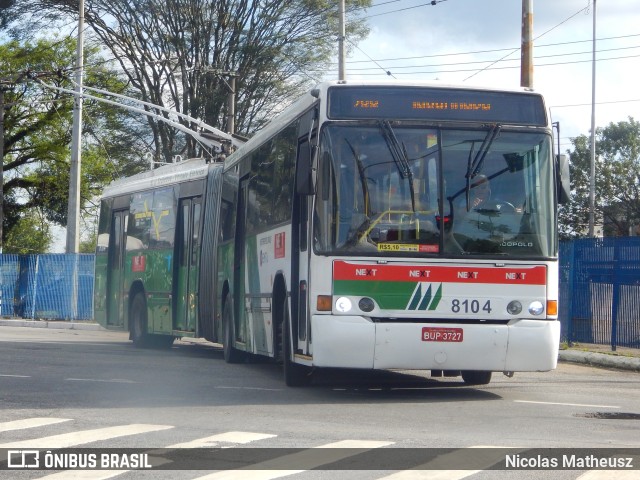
(477, 43)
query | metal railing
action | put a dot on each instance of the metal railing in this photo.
(49, 286)
(600, 291)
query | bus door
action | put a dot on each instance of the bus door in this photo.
(115, 268)
(186, 264)
(239, 265)
(300, 252)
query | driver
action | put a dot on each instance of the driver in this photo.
(480, 191)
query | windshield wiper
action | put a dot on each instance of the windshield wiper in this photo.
(399, 154)
(474, 167)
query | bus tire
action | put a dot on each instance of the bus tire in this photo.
(476, 377)
(295, 375)
(231, 354)
(138, 319)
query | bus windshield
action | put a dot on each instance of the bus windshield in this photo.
(407, 191)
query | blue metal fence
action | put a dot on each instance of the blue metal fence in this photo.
(43, 286)
(600, 291)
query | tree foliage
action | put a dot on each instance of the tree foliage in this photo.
(37, 133)
(617, 181)
(180, 54)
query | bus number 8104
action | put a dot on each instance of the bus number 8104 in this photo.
(469, 306)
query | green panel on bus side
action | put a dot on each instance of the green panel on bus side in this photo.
(388, 295)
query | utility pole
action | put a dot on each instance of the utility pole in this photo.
(73, 210)
(1, 163)
(592, 182)
(341, 39)
(231, 106)
(526, 55)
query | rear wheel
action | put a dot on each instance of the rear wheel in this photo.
(476, 377)
(138, 319)
(231, 354)
(295, 375)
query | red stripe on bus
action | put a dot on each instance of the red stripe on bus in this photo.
(536, 275)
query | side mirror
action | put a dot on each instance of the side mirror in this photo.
(563, 178)
(304, 170)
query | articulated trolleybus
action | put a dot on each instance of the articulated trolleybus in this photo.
(369, 226)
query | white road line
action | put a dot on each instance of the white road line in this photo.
(14, 376)
(479, 454)
(312, 458)
(113, 380)
(228, 437)
(30, 423)
(610, 475)
(84, 475)
(568, 404)
(72, 439)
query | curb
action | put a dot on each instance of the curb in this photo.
(58, 324)
(604, 360)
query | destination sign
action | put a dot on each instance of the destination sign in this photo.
(436, 104)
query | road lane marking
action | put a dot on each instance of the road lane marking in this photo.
(311, 458)
(30, 423)
(228, 437)
(14, 376)
(429, 471)
(568, 404)
(609, 475)
(84, 475)
(113, 380)
(72, 439)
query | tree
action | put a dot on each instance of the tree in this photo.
(38, 130)
(179, 54)
(617, 191)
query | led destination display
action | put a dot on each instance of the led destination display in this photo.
(436, 104)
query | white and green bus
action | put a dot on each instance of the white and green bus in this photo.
(352, 238)
(157, 237)
(368, 226)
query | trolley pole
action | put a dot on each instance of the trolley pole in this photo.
(526, 56)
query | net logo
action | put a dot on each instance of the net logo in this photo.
(423, 298)
(23, 459)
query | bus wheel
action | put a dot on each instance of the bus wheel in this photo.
(475, 377)
(138, 319)
(295, 375)
(231, 354)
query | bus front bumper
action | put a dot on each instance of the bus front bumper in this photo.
(356, 342)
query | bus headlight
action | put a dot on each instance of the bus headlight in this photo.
(536, 308)
(514, 307)
(343, 304)
(366, 304)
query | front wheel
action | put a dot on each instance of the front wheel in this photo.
(295, 375)
(476, 377)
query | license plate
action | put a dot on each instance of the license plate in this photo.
(438, 334)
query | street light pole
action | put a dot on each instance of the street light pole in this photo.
(73, 210)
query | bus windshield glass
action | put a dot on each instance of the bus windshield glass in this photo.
(386, 189)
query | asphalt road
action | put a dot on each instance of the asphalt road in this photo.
(93, 389)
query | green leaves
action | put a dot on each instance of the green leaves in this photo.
(617, 181)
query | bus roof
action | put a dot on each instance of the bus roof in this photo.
(170, 174)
